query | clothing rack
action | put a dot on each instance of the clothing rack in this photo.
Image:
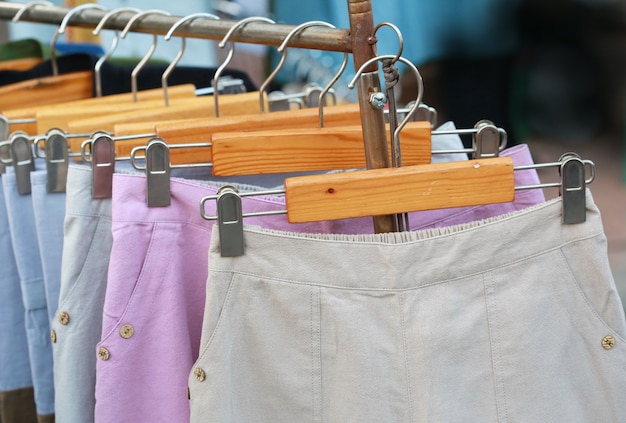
(357, 40)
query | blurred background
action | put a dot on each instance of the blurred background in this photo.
(551, 73)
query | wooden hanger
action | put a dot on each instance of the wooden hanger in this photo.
(28, 113)
(49, 89)
(393, 191)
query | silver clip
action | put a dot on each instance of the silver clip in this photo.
(57, 160)
(230, 222)
(426, 113)
(487, 140)
(572, 189)
(4, 135)
(158, 173)
(23, 160)
(103, 165)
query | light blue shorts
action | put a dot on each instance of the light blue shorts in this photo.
(28, 260)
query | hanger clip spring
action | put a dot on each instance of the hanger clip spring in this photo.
(57, 160)
(103, 163)
(572, 189)
(230, 222)
(23, 161)
(158, 172)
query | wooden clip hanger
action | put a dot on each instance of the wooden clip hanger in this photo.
(47, 90)
(389, 191)
(77, 108)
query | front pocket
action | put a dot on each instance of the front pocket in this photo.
(550, 346)
(257, 357)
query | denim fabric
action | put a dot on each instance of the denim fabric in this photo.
(513, 318)
(49, 211)
(15, 376)
(28, 259)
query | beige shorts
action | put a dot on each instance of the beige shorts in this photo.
(515, 318)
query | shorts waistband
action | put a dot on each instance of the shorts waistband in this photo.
(407, 260)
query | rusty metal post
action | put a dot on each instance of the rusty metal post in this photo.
(372, 118)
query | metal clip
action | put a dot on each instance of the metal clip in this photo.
(4, 128)
(487, 140)
(230, 222)
(23, 160)
(57, 160)
(426, 113)
(572, 189)
(158, 173)
(103, 165)
(278, 101)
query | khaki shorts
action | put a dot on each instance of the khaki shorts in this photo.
(515, 318)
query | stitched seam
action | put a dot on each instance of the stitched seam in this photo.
(490, 308)
(220, 318)
(585, 299)
(405, 347)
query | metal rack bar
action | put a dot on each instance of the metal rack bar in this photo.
(356, 40)
(317, 38)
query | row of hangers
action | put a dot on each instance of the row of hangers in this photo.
(240, 134)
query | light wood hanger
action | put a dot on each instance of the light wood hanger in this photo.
(390, 191)
(48, 90)
(22, 64)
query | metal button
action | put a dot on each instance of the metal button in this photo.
(127, 331)
(199, 374)
(53, 336)
(104, 354)
(608, 342)
(63, 318)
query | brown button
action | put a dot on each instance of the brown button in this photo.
(127, 331)
(63, 318)
(53, 336)
(199, 374)
(608, 342)
(188, 393)
(104, 354)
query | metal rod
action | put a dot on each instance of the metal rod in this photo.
(372, 119)
(316, 38)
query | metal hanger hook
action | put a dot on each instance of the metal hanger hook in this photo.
(135, 72)
(420, 87)
(282, 49)
(181, 51)
(109, 53)
(322, 99)
(27, 6)
(231, 52)
(61, 30)
(398, 33)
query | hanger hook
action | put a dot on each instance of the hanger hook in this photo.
(322, 99)
(420, 88)
(231, 52)
(61, 30)
(114, 44)
(135, 72)
(373, 38)
(172, 65)
(282, 49)
(27, 6)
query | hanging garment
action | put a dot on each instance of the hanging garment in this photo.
(49, 213)
(28, 260)
(86, 250)
(154, 299)
(513, 318)
(17, 403)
